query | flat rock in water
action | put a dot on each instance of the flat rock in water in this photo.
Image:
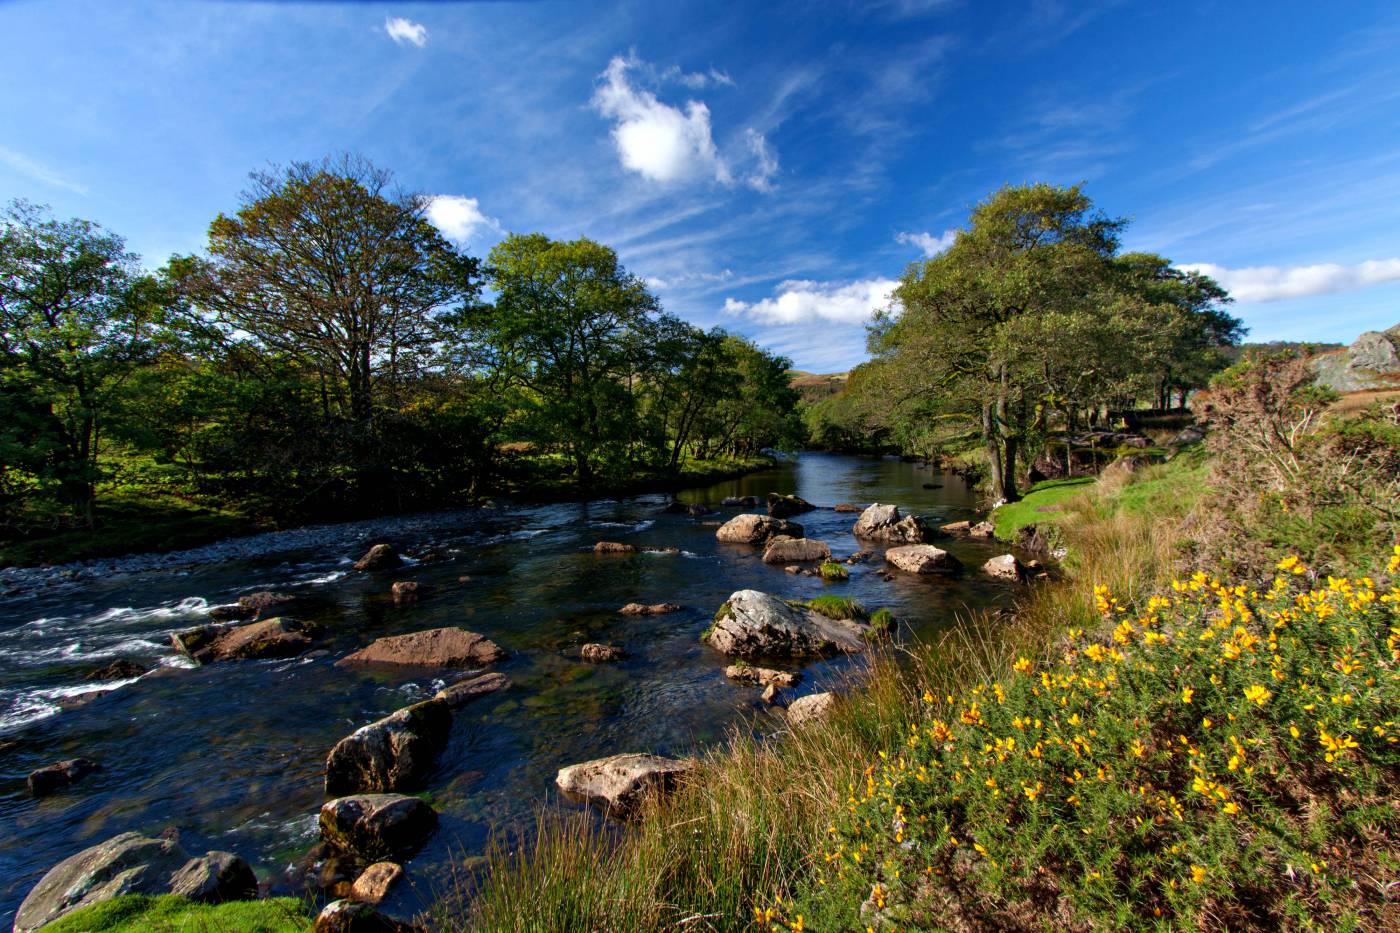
(271, 638)
(621, 783)
(464, 691)
(756, 529)
(884, 523)
(436, 647)
(375, 882)
(922, 558)
(642, 609)
(50, 778)
(380, 557)
(126, 864)
(786, 550)
(214, 878)
(846, 507)
(956, 528)
(390, 754)
(761, 676)
(377, 826)
(751, 624)
(813, 707)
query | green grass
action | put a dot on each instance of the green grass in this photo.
(140, 913)
(834, 572)
(1038, 505)
(837, 607)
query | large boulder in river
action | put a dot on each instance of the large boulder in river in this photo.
(755, 529)
(126, 864)
(437, 647)
(270, 638)
(787, 550)
(390, 754)
(751, 624)
(883, 523)
(621, 783)
(380, 557)
(377, 826)
(44, 781)
(780, 506)
(922, 558)
(214, 878)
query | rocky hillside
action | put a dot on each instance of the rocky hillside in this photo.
(1371, 362)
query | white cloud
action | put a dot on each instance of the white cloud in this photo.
(800, 301)
(698, 79)
(930, 244)
(460, 219)
(761, 178)
(1276, 283)
(21, 163)
(656, 140)
(406, 31)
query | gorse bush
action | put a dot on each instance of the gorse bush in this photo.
(1215, 757)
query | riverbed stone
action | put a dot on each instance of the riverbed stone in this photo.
(129, 863)
(846, 507)
(780, 506)
(408, 591)
(761, 676)
(619, 784)
(1005, 567)
(50, 778)
(375, 882)
(643, 609)
(784, 549)
(810, 708)
(742, 502)
(923, 559)
(120, 669)
(755, 529)
(614, 547)
(464, 691)
(214, 878)
(601, 654)
(884, 523)
(271, 638)
(752, 625)
(437, 647)
(391, 754)
(982, 530)
(379, 557)
(377, 826)
(956, 528)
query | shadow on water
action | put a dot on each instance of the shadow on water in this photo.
(232, 754)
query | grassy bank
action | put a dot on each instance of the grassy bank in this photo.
(139, 913)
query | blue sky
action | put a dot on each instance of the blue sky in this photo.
(769, 167)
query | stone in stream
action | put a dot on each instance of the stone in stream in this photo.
(214, 878)
(1005, 567)
(408, 591)
(697, 509)
(375, 882)
(785, 550)
(642, 609)
(756, 529)
(815, 706)
(599, 654)
(390, 754)
(883, 523)
(258, 605)
(620, 784)
(380, 557)
(761, 676)
(982, 530)
(464, 691)
(923, 559)
(751, 624)
(355, 916)
(956, 528)
(377, 826)
(50, 778)
(780, 506)
(271, 638)
(614, 547)
(742, 502)
(437, 647)
(120, 669)
(846, 507)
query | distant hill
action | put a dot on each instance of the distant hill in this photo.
(815, 386)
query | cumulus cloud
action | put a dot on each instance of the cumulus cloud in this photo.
(460, 219)
(930, 244)
(799, 301)
(1276, 283)
(406, 31)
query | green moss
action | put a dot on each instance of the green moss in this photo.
(832, 571)
(882, 620)
(140, 913)
(837, 607)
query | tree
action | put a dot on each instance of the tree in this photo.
(77, 316)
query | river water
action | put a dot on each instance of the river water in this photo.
(232, 754)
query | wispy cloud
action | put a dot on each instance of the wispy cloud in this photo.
(460, 218)
(930, 245)
(761, 178)
(21, 163)
(1276, 283)
(697, 80)
(406, 31)
(801, 301)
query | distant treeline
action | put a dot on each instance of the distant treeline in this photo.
(330, 352)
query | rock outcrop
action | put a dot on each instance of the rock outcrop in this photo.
(815, 706)
(436, 647)
(751, 625)
(621, 783)
(391, 754)
(922, 558)
(884, 523)
(377, 826)
(787, 550)
(1371, 362)
(464, 691)
(780, 506)
(756, 529)
(50, 778)
(380, 557)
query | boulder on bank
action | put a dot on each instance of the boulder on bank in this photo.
(214, 878)
(884, 523)
(271, 638)
(755, 529)
(621, 783)
(436, 647)
(761, 676)
(464, 691)
(599, 654)
(377, 826)
(815, 706)
(614, 547)
(50, 778)
(787, 550)
(1005, 567)
(390, 754)
(129, 863)
(751, 624)
(780, 506)
(922, 558)
(380, 557)
(642, 609)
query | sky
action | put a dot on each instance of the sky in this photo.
(771, 168)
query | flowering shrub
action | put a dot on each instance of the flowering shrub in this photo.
(1218, 757)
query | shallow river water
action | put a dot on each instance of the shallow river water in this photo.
(232, 754)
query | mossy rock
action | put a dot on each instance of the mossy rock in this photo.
(837, 607)
(833, 572)
(167, 913)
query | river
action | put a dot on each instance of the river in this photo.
(232, 754)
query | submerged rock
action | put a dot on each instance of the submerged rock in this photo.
(380, 557)
(120, 669)
(377, 826)
(214, 878)
(50, 778)
(755, 529)
(787, 550)
(883, 523)
(780, 506)
(599, 654)
(390, 754)
(614, 547)
(436, 647)
(922, 558)
(642, 609)
(815, 706)
(408, 591)
(464, 691)
(621, 783)
(751, 624)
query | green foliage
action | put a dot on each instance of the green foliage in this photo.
(837, 607)
(834, 571)
(140, 913)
